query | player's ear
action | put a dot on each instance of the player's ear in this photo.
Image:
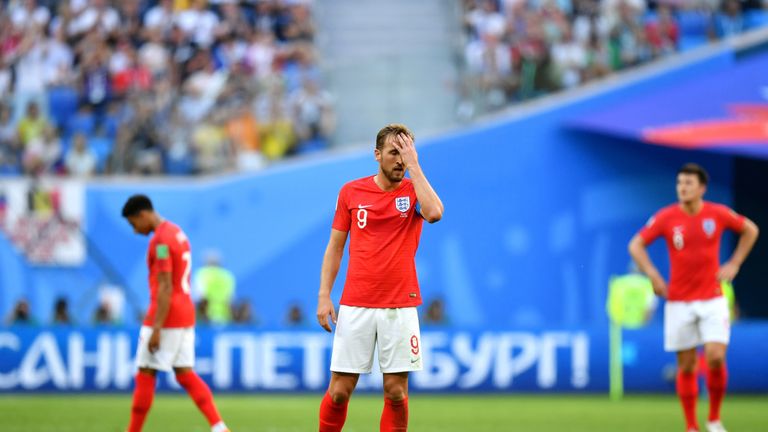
(377, 154)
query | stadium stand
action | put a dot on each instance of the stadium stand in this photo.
(516, 50)
(162, 87)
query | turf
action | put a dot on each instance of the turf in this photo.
(273, 413)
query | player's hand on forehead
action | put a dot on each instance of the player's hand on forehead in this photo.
(402, 141)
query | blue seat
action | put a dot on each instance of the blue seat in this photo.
(688, 42)
(312, 145)
(756, 18)
(62, 104)
(101, 147)
(693, 23)
(81, 122)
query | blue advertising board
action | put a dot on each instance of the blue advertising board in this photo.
(244, 360)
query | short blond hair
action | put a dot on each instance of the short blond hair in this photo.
(391, 129)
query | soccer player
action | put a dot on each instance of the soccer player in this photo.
(382, 214)
(167, 337)
(696, 313)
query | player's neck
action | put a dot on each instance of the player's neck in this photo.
(384, 184)
(156, 221)
(692, 207)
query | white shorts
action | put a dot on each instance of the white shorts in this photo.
(690, 324)
(359, 330)
(177, 349)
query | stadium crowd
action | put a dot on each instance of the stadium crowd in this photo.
(157, 86)
(519, 49)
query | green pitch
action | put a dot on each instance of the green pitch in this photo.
(265, 413)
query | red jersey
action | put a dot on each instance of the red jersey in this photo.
(384, 230)
(169, 252)
(693, 242)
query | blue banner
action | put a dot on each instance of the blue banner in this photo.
(249, 360)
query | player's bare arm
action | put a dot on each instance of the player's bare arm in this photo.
(164, 287)
(331, 262)
(639, 254)
(747, 239)
(431, 206)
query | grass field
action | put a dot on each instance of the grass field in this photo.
(265, 413)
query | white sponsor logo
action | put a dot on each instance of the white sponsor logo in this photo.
(360, 206)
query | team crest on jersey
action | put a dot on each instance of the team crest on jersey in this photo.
(677, 237)
(709, 226)
(403, 203)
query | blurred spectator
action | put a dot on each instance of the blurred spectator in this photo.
(42, 153)
(295, 316)
(111, 300)
(95, 89)
(160, 17)
(313, 116)
(489, 62)
(435, 313)
(233, 21)
(729, 21)
(61, 312)
(154, 55)
(198, 23)
(26, 13)
(299, 26)
(216, 286)
(9, 143)
(132, 75)
(58, 57)
(569, 59)
(242, 313)
(6, 77)
(277, 134)
(97, 17)
(202, 311)
(130, 12)
(261, 53)
(21, 314)
(32, 125)
(139, 149)
(30, 73)
(627, 39)
(102, 315)
(213, 150)
(663, 33)
(243, 131)
(80, 161)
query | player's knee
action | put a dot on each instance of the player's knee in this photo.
(340, 395)
(395, 392)
(687, 367)
(716, 361)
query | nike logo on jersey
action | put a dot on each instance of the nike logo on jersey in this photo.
(360, 206)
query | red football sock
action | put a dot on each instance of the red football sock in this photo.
(394, 418)
(200, 393)
(716, 382)
(332, 415)
(688, 392)
(143, 394)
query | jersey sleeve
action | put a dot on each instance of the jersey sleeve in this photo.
(163, 261)
(730, 219)
(341, 219)
(653, 229)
